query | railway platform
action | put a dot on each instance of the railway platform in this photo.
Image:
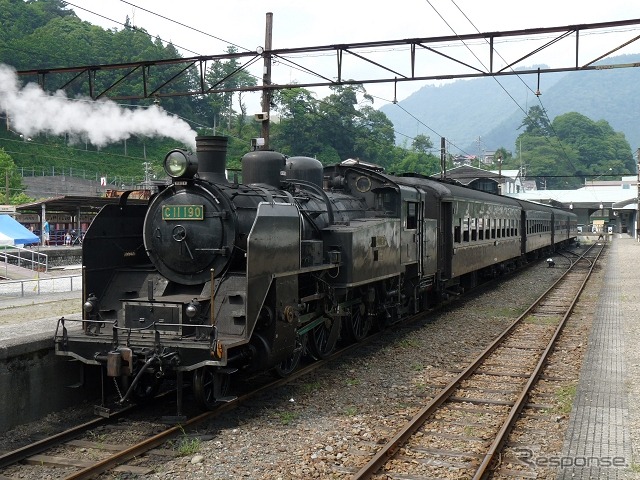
(603, 436)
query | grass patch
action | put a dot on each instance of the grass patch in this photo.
(186, 446)
(351, 410)
(408, 343)
(310, 387)
(98, 437)
(564, 398)
(287, 418)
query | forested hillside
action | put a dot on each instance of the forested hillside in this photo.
(46, 33)
(479, 115)
(344, 124)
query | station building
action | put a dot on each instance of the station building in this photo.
(602, 206)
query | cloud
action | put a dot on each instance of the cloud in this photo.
(32, 111)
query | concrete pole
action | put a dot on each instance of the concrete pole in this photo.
(266, 80)
(638, 193)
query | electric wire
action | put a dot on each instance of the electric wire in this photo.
(564, 153)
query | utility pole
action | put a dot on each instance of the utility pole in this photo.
(501, 183)
(638, 193)
(443, 157)
(266, 81)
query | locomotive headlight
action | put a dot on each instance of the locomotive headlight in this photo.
(91, 303)
(193, 308)
(180, 163)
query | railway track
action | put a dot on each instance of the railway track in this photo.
(118, 443)
(73, 452)
(463, 429)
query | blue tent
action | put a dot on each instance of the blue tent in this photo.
(14, 233)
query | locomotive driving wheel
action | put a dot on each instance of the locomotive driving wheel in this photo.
(323, 338)
(288, 365)
(209, 386)
(358, 322)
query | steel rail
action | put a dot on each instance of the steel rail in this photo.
(20, 454)
(501, 437)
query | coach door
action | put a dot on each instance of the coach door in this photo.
(445, 243)
(429, 243)
(411, 231)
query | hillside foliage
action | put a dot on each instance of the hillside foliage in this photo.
(344, 124)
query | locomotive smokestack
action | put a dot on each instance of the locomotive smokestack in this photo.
(212, 158)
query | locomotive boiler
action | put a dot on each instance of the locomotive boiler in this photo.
(214, 277)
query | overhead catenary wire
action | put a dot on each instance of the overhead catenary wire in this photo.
(284, 60)
(564, 153)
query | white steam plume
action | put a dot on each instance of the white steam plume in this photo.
(31, 111)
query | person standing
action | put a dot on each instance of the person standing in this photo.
(45, 233)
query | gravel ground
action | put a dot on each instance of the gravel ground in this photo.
(326, 425)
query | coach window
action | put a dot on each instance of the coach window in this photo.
(465, 229)
(493, 228)
(457, 237)
(412, 215)
(481, 228)
(474, 229)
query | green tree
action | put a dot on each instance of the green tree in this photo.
(228, 74)
(11, 180)
(415, 162)
(297, 132)
(579, 148)
(374, 136)
(536, 122)
(422, 143)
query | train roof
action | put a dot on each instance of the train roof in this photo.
(447, 190)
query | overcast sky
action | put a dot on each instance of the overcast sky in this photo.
(305, 23)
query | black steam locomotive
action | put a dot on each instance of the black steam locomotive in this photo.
(214, 277)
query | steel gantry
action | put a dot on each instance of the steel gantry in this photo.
(99, 81)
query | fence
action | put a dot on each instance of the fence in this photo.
(24, 258)
(39, 286)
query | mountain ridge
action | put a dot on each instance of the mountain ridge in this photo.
(490, 119)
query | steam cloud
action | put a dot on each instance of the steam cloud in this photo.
(33, 111)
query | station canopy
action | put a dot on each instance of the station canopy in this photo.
(13, 233)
